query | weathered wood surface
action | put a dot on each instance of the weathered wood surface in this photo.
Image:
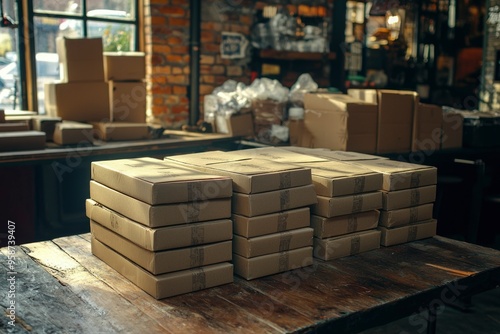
(62, 288)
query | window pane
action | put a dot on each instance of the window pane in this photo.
(67, 7)
(9, 71)
(71, 28)
(115, 9)
(116, 36)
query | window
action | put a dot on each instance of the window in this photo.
(22, 78)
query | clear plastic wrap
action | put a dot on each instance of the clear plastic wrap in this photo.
(304, 84)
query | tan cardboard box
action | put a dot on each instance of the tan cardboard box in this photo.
(344, 205)
(14, 126)
(271, 223)
(393, 200)
(427, 125)
(68, 133)
(157, 181)
(298, 133)
(124, 66)
(346, 245)
(165, 285)
(347, 156)
(81, 59)
(161, 238)
(401, 175)
(453, 127)
(160, 215)
(278, 154)
(45, 124)
(272, 243)
(78, 101)
(166, 261)
(2, 116)
(237, 125)
(251, 205)
(304, 150)
(128, 101)
(367, 95)
(121, 131)
(340, 225)
(260, 266)
(22, 141)
(403, 234)
(341, 122)
(405, 216)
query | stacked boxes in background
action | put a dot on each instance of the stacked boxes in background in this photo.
(268, 119)
(270, 211)
(165, 228)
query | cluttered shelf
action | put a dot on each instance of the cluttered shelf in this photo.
(295, 55)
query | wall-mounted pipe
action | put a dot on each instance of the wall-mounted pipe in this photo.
(194, 53)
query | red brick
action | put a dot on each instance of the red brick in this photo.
(183, 100)
(207, 36)
(180, 49)
(158, 20)
(233, 71)
(206, 89)
(161, 70)
(161, 90)
(174, 11)
(180, 2)
(211, 26)
(157, 101)
(220, 79)
(174, 40)
(180, 90)
(172, 99)
(174, 58)
(246, 20)
(218, 69)
(206, 59)
(209, 79)
(163, 49)
(158, 79)
(178, 22)
(206, 69)
(157, 60)
(186, 70)
(210, 47)
(177, 109)
(177, 79)
(159, 109)
(176, 70)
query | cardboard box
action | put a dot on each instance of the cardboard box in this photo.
(405, 216)
(165, 285)
(452, 130)
(347, 156)
(2, 116)
(340, 225)
(22, 141)
(344, 205)
(399, 175)
(81, 59)
(271, 223)
(45, 124)
(161, 238)
(237, 125)
(128, 101)
(78, 101)
(251, 205)
(165, 261)
(260, 266)
(277, 154)
(298, 133)
(14, 126)
(116, 131)
(367, 95)
(124, 66)
(347, 245)
(427, 125)
(304, 150)
(156, 181)
(408, 233)
(272, 243)
(160, 215)
(341, 122)
(268, 112)
(68, 133)
(395, 120)
(393, 200)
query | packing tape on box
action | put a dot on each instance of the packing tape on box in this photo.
(197, 256)
(197, 235)
(352, 223)
(193, 211)
(359, 184)
(413, 215)
(355, 244)
(357, 203)
(415, 197)
(284, 200)
(285, 180)
(194, 191)
(412, 233)
(285, 239)
(198, 279)
(282, 221)
(283, 261)
(415, 180)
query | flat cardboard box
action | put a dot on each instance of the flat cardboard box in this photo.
(271, 223)
(393, 200)
(161, 238)
(69, 133)
(236, 125)
(160, 215)
(401, 175)
(22, 141)
(78, 101)
(346, 245)
(45, 124)
(367, 95)
(395, 120)
(279, 154)
(405, 216)
(340, 225)
(345, 205)
(251, 205)
(124, 66)
(14, 126)
(157, 181)
(452, 131)
(341, 122)
(165, 261)
(347, 156)
(81, 59)
(128, 101)
(116, 131)
(272, 243)
(304, 150)
(165, 285)
(260, 266)
(427, 125)
(408, 233)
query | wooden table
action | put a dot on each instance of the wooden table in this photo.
(62, 288)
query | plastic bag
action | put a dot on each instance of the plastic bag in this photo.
(304, 84)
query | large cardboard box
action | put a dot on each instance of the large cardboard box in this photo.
(124, 66)
(116, 131)
(367, 95)
(78, 101)
(453, 127)
(69, 133)
(81, 59)
(251, 205)
(260, 266)
(160, 215)
(405, 216)
(340, 225)
(165, 285)
(278, 154)
(341, 122)
(427, 125)
(408, 233)
(128, 101)
(395, 120)
(161, 238)
(272, 243)
(45, 124)
(14, 126)
(347, 156)
(393, 200)
(22, 141)
(237, 125)
(344, 205)
(298, 133)
(271, 223)
(161, 262)
(346, 245)
(156, 181)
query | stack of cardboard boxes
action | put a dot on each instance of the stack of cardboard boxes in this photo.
(165, 228)
(270, 211)
(16, 136)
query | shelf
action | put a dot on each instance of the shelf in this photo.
(295, 55)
